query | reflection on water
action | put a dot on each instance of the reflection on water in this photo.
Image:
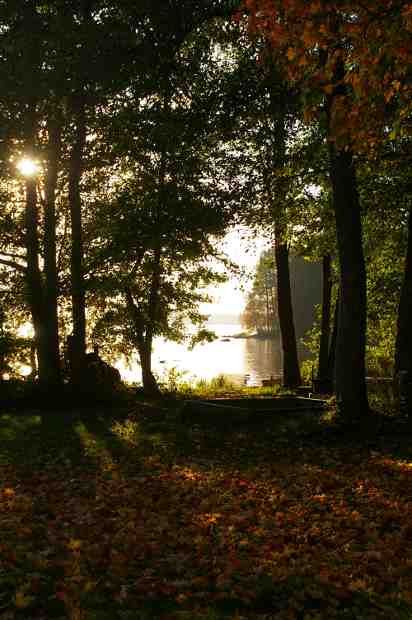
(236, 357)
(262, 358)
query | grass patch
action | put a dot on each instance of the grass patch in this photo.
(221, 386)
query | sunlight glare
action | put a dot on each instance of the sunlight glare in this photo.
(26, 330)
(27, 167)
(25, 370)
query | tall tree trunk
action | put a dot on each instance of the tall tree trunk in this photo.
(278, 188)
(274, 324)
(37, 298)
(3, 365)
(149, 382)
(324, 379)
(350, 382)
(144, 340)
(150, 386)
(268, 321)
(50, 262)
(291, 372)
(33, 361)
(34, 281)
(334, 337)
(77, 274)
(350, 372)
(403, 347)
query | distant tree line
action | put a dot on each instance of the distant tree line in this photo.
(260, 313)
(261, 309)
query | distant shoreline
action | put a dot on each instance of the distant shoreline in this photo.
(223, 319)
(256, 336)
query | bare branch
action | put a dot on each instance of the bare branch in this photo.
(13, 255)
(13, 265)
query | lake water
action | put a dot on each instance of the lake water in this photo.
(237, 358)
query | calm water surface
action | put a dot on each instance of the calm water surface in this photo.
(235, 357)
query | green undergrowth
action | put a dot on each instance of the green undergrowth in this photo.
(177, 383)
(220, 386)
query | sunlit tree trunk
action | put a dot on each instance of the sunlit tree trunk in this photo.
(142, 335)
(150, 386)
(3, 364)
(33, 275)
(42, 292)
(35, 290)
(33, 361)
(31, 60)
(34, 282)
(76, 264)
(50, 263)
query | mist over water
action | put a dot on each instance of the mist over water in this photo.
(235, 357)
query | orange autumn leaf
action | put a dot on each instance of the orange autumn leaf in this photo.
(22, 600)
(74, 545)
(291, 53)
(379, 53)
(315, 7)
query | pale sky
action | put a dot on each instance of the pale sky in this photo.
(244, 249)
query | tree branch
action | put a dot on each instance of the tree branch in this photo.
(13, 255)
(13, 265)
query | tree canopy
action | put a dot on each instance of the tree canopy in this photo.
(154, 127)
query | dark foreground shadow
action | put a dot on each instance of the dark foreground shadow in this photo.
(238, 518)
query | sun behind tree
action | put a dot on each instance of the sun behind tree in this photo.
(27, 167)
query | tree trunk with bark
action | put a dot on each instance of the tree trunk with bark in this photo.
(150, 386)
(324, 377)
(50, 261)
(34, 283)
(149, 382)
(350, 381)
(332, 348)
(278, 191)
(291, 371)
(350, 372)
(143, 337)
(403, 347)
(76, 265)
(38, 288)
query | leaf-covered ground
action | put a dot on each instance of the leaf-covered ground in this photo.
(142, 516)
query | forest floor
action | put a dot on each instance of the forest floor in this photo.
(132, 513)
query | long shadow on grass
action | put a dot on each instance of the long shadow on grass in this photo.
(100, 443)
(297, 536)
(37, 437)
(202, 527)
(44, 485)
